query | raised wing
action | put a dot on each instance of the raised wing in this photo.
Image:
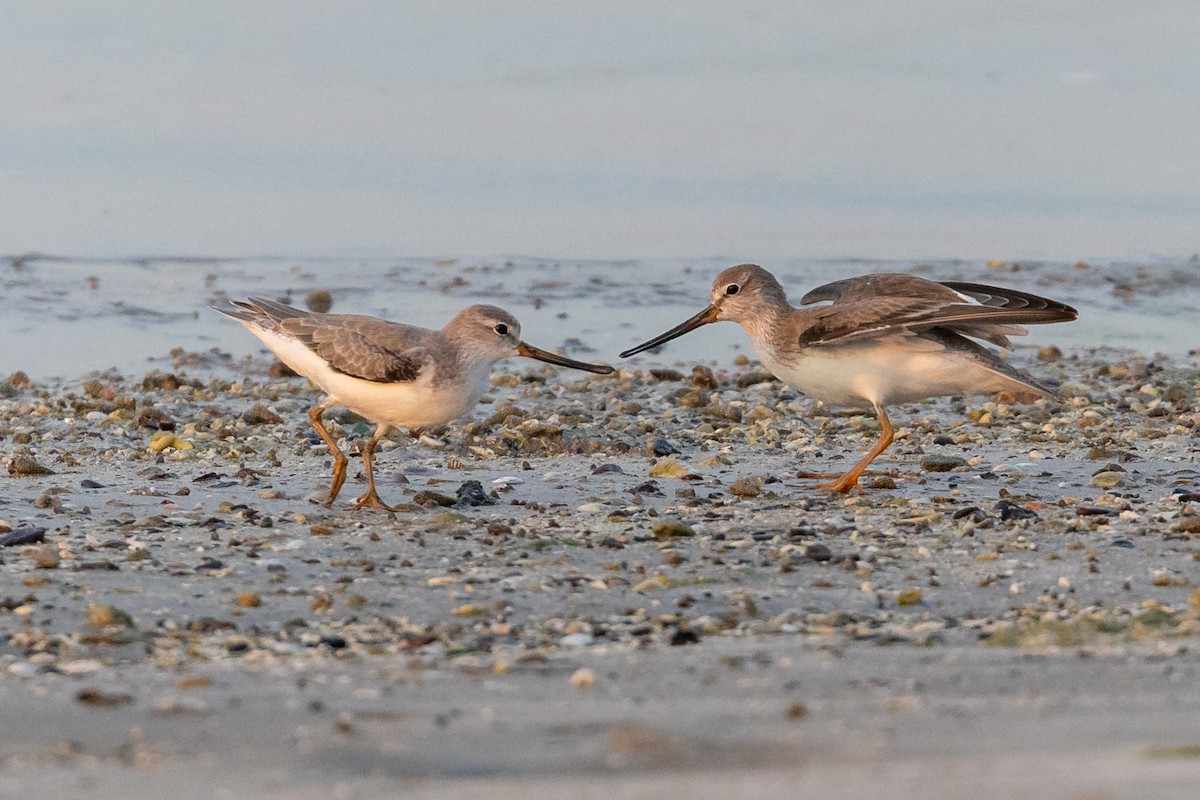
(876, 305)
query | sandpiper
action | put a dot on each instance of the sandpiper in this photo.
(392, 374)
(884, 339)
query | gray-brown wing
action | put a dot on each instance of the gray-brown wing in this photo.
(881, 284)
(872, 305)
(363, 347)
(261, 312)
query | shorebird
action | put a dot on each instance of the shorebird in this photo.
(392, 374)
(883, 339)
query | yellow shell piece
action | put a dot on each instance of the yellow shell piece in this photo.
(161, 440)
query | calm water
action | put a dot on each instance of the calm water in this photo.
(757, 131)
(67, 317)
(908, 134)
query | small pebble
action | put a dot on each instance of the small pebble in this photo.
(747, 487)
(796, 711)
(261, 415)
(576, 640)
(583, 678)
(1189, 525)
(23, 464)
(471, 493)
(319, 300)
(703, 378)
(154, 419)
(23, 536)
(661, 447)
(46, 557)
(100, 614)
(672, 529)
(937, 462)
(99, 698)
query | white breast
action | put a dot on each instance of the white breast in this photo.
(884, 372)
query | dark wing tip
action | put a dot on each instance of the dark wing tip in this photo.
(1034, 308)
(239, 310)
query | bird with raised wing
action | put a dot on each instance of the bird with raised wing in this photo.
(882, 339)
(392, 374)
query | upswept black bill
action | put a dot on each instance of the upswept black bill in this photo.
(529, 351)
(703, 318)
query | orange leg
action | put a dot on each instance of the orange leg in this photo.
(371, 498)
(849, 481)
(339, 458)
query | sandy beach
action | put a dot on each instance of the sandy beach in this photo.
(595, 586)
(608, 584)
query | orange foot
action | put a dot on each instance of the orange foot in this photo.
(371, 500)
(845, 485)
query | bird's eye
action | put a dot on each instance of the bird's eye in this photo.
(732, 288)
(501, 329)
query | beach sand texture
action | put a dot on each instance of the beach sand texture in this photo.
(601, 585)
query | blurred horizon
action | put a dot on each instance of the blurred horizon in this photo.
(752, 131)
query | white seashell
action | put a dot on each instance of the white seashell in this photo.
(508, 480)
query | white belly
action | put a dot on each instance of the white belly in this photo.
(408, 404)
(860, 375)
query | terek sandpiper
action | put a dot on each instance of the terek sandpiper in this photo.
(884, 339)
(392, 374)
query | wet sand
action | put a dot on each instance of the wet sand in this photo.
(602, 585)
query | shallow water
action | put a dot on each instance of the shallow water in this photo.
(66, 317)
(922, 129)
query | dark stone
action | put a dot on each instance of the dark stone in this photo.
(1009, 511)
(1094, 511)
(22, 536)
(818, 552)
(683, 636)
(662, 447)
(103, 565)
(471, 494)
(154, 419)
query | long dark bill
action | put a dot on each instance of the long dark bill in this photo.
(703, 318)
(529, 351)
